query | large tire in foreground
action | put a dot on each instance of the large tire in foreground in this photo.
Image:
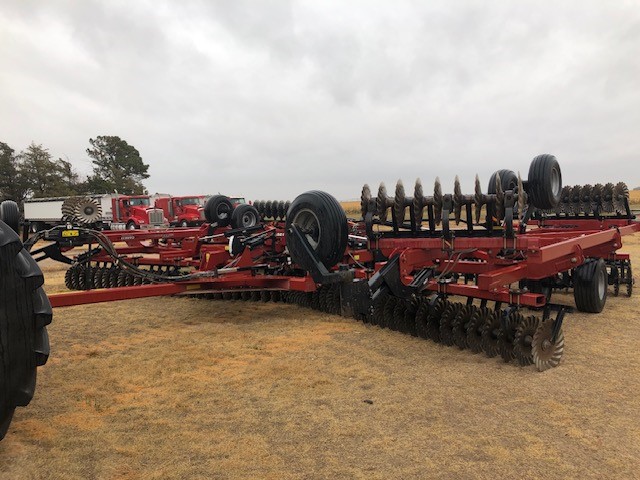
(24, 313)
(544, 183)
(590, 286)
(323, 223)
(10, 214)
(244, 216)
(218, 210)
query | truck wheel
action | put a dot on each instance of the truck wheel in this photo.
(24, 313)
(544, 182)
(10, 214)
(218, 210)
(323, 223)
(244, 216)
(184, 223)
(131, 225)
(590, 286)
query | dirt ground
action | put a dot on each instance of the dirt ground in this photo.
(189, 388)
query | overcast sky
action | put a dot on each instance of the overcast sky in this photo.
(268, 99)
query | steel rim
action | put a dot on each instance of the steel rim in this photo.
(248, 220)
(222, 211)
(308, 222)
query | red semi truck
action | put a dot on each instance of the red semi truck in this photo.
(183, 211)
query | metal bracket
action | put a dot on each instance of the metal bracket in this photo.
(389, 277)
(318, 271)
(557, 323)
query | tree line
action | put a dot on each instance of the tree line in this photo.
(34, 173)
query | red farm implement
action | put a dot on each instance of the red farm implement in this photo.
(477, 271)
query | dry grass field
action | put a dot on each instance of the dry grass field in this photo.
(188, 388)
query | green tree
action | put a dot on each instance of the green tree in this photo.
(13, 184)
(69, 181)
(43, 174)
(116, 166)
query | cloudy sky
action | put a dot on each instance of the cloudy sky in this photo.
(270, 98)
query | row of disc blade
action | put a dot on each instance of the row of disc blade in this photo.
(524, 339)
(81, 210)
(275, 209)
(382, 204)
(587, 199)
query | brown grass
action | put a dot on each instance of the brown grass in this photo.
(352, 209)
(634, 196)
(187, 388)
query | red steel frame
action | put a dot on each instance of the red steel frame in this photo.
(546, 249)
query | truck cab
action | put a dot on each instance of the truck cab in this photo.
(135, 211)
(185, 211)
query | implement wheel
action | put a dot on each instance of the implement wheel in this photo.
(590, 286)
(218, 210)
(544, 182)
(323, 223)
(244, 216)
(24, 313)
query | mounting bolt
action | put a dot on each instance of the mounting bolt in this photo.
(574, 260)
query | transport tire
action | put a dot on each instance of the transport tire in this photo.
(508, 181)
(244, 216)
(323, 223)
(590, 286)
(218, 210)
(131, 225)
(24, 313)
(544, 184)
(10, 214)
(184, 224)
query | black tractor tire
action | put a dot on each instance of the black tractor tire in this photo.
(244, 216)
(508, 181)
(218, 210)
(544, 183)
(323, 223)
(10, 214)
(590, 286)
(25, 312)
(131, 225)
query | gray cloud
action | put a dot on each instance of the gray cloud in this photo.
(268, 99)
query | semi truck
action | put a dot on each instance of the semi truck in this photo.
(118, 212)
(184, 211)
